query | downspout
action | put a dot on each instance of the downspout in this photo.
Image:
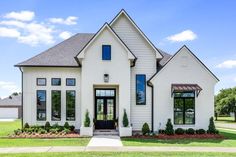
(152, 105)
(22, 125)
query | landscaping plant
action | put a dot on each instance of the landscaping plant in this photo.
(47, 126)
(169, 128)
(125, 119)
(26, 126)
(190, 131)
(87, 119)
(66, 125)
(145, 129)
(179, 131)
(211, 128)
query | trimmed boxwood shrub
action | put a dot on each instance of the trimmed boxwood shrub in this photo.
(87, 119)
(211, 128)
(47, 126)
(145, 129)
(72, 128)
(190, 131)
(66, 125)
(161, 131)
(169, 128)
(179, 131)
(26, 126)
(200, 131)
(125, 119)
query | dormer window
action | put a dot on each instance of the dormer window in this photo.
(106, 52)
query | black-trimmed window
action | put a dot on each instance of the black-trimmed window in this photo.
(56, 81)
(41, 81)
(56, 105)
(70, 105)
(141, 89)
(106, 52)
(41, 105)
(70, 82)
(184, 108)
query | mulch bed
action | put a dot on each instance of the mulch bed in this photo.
(47, 135)
(184, 136)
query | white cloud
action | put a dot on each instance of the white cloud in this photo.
(22, 15)
(9, 32)
(186, 35)
(13, 23)
(70, 20)
(9, 87)
(227, 64)
(65, 35)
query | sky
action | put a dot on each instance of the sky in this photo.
(28, 27)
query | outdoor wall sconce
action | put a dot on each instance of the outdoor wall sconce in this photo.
(106, 78)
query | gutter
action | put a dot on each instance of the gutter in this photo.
(22, 125)
(152, 105)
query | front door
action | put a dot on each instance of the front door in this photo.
(105, 108)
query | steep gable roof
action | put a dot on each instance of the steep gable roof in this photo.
(123, 12)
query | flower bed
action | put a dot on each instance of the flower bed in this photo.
(46, 135)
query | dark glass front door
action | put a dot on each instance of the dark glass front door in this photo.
(105, 109)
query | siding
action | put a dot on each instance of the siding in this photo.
(146, 64)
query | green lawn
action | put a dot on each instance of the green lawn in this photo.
(229, 142)
(122, 154)
(8, 127)
(225, 120)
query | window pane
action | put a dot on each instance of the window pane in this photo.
(178, 118)
(140, 89)
(56, 81)
(70, 105)
(56, 105)
(100, 109)
(184, 94)
(106, 52)
(70, 82)
(41, 105)
(179, 105)
(41, 81)
(110, 109)
(189, 111)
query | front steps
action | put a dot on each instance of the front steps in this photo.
(106, 132)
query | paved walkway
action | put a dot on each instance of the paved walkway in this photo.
(226, 125)
(115, 149)
(105, 141)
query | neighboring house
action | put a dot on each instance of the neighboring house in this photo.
(10, 107)
(115, 69)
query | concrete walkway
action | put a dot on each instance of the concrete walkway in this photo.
(105, 141)
(115, 149)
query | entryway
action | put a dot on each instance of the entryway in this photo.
(105, 108)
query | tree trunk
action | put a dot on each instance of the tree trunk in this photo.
(235, 116)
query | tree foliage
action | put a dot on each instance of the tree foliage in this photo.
(225, 101)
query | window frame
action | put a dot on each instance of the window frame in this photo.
(54, 84)
(184, 107)
(144, 103)
(103, 55)
(37, 105)
(70, 79)
(74, 105)
(40, 84)
(52, 105)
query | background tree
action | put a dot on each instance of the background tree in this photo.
(225, 101)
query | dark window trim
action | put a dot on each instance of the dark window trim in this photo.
(110, 53)
(51, 105)
(37, 105)
(52, 81)
(144, 89)
(71, 79)
(39, 84)
(194, 119)
(66, 104)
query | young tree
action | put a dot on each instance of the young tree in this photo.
(225, 101)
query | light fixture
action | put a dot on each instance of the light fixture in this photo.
(106, 78)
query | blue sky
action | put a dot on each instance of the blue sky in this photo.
(206, 27)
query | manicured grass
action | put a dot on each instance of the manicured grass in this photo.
(8, 127)
(230, 141)
(225, 120)
(44, 142)
(119, 154)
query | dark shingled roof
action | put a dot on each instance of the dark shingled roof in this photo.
(62, 55)
(11, 101)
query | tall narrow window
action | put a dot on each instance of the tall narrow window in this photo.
(184, 108)
(140, 89)
(41, 105)
(70, 105)
(56, 105)
(106, 52)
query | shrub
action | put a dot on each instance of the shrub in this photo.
(200, 131)
(179, 131)
(211, 127)
(42, 131)
(17, 132)
(87, 119)
(145, 129)
(169, 128)
(161, 131)
(66, 125)
(54, 130)
(26, 126)
(35, 128)
(66, 131)
(56, 125)
(72, 128)
(190, 131)
(47, 126)
(125, 119)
